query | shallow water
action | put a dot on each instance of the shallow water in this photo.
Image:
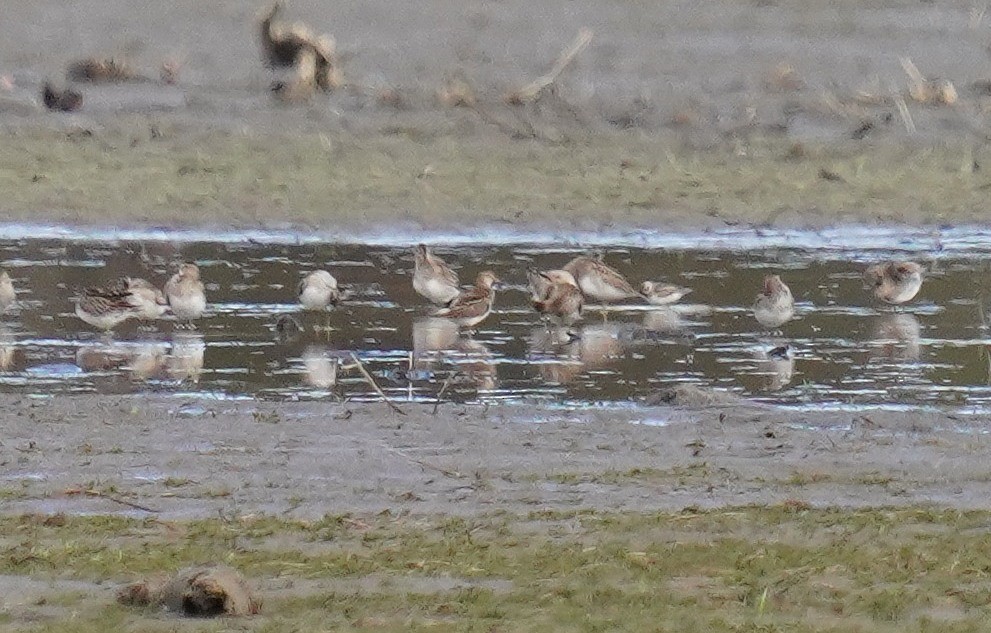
(843, 350)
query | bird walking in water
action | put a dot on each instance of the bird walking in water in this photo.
(774, 305)
(894, 282)
(474, 304)
(185, 293)
(433, 278)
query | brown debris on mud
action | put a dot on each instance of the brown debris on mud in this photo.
(207, 591)
(313, 58)
(102, 69)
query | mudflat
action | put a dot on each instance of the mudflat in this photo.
(710, 514)
(676, 114)
(179, 459)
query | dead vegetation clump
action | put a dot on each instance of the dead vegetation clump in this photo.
(527, 104)
(168, 72)
(457, 92)
(313, 58)
(928, 91)
(783, 78)
(302, 84)
(102, 70)
(532, 91)
(197, 592)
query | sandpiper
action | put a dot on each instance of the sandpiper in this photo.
(7, 293)
(555, 294)
(774, 306)
(106, 307)
(894, 282)
(185, 293)
(148, 301)
(433, 278)
(599, 281)
(474, 304)
(659, 294)
(319, 290)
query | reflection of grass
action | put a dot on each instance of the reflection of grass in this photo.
(247, 179)
(744, 569)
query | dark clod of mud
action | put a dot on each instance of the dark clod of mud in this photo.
(686, 395)
(200, 592)
(61, 100)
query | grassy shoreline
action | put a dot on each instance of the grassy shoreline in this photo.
(131, 176)
(786, 567)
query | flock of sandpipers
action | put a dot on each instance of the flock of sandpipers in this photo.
(559, 295)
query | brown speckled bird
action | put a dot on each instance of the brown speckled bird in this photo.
(474, 304)
(555, 294)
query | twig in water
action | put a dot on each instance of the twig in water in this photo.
(371, 381)
(443, 388)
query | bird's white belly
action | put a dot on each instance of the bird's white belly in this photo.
(434, 289)
(597, 288)
(191, 307)
(314, 298)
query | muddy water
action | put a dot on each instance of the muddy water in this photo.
(842, 350)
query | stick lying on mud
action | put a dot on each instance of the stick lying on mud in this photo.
(371, 381)
(532, 91)
(89, 492)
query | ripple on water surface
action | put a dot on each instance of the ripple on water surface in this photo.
(841, 352)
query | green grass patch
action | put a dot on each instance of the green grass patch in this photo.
(744, 569)
(324, 180)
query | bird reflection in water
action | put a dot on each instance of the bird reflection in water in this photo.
(185, 360)
(11, 356)
(897, 337)
(775, 365)
(319, 367)
(560, 356)
(438, 341)
(103, 356)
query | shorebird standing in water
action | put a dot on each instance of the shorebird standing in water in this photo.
(106, 307)
(599, 281)
(318, 290)
(555, 294)
(149, 302)
(433, 278)
(894, 282)
(774, 305)
(659, 294)
(186, 294)
(474, 304)
(8, 296)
